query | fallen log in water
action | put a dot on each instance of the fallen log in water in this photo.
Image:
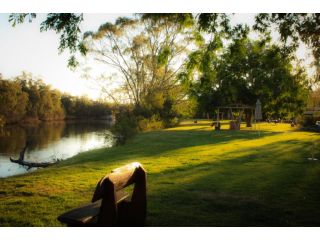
(30, 164)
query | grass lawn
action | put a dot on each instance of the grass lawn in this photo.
(196, 177)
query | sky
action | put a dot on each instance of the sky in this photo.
(25, 48)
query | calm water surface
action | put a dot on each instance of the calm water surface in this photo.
(49, 141)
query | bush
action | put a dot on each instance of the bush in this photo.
(153, 123)
(130, 121)
(125, 125)
(171, 122)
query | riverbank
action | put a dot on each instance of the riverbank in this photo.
(196, 177)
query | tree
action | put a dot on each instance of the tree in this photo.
(294, 27)
(13, 101)
(31, 87)
(83, 107)
(26, 98)
(249, 70)
(146, 53)
(200, 72)
(43, 102)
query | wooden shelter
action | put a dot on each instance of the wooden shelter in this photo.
(235, 120)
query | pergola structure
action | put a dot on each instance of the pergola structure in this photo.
(235, 121)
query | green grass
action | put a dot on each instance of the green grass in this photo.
(196, 177)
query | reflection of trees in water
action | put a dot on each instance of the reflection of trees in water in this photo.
(84, 127)
(81, 129)
(45, 133)
(13, 137)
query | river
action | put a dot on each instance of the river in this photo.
(49, 141)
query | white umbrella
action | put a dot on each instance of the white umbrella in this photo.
(258, 112)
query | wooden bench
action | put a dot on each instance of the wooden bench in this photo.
(111, 205)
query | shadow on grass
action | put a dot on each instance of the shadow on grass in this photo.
(157, 143)
(278, 189)
(270, 185)
(207, 124)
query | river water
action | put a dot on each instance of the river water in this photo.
(48, 142)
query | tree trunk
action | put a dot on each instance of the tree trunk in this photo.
(249, 118)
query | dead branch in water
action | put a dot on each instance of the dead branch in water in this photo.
(30, 164)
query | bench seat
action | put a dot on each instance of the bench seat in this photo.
(87, 215)
(113, 204)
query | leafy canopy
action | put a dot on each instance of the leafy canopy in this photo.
(245, 71)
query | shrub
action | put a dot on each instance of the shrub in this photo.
(153, 123)
(125, 125)
(130, 121)
(171, 122)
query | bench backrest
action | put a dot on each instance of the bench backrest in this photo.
(107, 188)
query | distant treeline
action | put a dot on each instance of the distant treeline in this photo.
(24, 99)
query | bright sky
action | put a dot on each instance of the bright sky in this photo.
(24, 48)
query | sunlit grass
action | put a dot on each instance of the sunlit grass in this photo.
(196, 177)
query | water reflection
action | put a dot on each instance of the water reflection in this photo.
(49, 141)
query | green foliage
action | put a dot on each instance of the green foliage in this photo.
(126, 125)
(172, 122)
(186, 108)
(149, 124)
(84, 108)
(146, 54)
(25, 98)
(44, 103)
(294, 27)
(13, 101)
(215, 22)
(164, 55)
(155, 122)
(158, 107)
(182, 19)
(245, 71)
(157, 114)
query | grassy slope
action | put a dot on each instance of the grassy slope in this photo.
(196, 177)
